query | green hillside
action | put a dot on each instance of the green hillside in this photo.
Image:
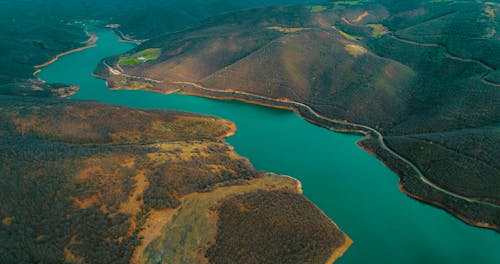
(34, 31)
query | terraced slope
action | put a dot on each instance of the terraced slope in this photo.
(89, 183)
(408, 74)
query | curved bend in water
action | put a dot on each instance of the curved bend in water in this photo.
(352, 187)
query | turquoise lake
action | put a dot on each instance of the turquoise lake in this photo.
(352, 187)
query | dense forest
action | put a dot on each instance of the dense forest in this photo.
(83, 182)
(247, 232)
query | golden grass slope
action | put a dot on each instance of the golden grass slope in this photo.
(306, 57)
(193, 228)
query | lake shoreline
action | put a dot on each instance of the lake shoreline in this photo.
(423, 199)
(231, 131)
(339, 252)
(345, 127)
(122, 37)
(450, 210)
(91, 42)
(480, 242)
(399, 169)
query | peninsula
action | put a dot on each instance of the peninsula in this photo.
(95, 183)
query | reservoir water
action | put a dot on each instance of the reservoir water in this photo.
(352, 187)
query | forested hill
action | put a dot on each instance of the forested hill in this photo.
(83, 182)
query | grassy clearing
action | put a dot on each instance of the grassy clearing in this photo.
(351, 3)
(441, 1)
(146, 55)
(183, 151)
(155, 220)
(286, 29)
(361, 17)
(7, 221)
(490, 11)
(345, 34)
(133, 84)
(318, 8)
(355, 50)
(378, 30)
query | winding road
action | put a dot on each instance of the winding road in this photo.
(488, 67)
(379, 136)
(366, 130)
(447, 52)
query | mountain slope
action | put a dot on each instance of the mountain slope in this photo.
(33, 32)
